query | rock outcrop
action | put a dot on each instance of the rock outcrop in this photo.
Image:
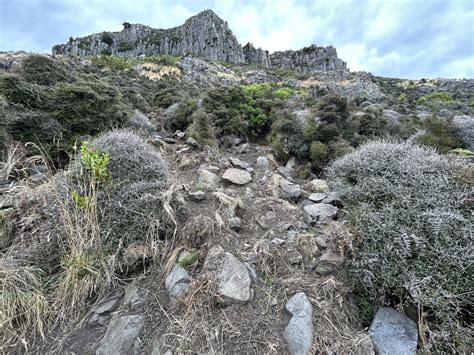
(256, 55)
(309, 59)
(204, 35)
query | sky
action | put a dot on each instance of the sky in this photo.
(396, 38)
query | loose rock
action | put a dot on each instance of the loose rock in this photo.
(291, 190)
(207, 180)
(197, 195)
(317, 197)
(121, 335)
(178, 282)
(318, 212)
(237, 176)
(329, 263)
(262, 164)
(318, 185)
(299, 331)
(393, 332)
(235, 223)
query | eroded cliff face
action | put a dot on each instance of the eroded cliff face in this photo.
(206, 36)
(309, 59)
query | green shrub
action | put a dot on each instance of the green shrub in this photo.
(112, 62)
(318, 153)
(284, 93)
(415, 226)
(105, 52)
(440, 134)
(106, 37)
(124, 46)
(402, 98)
(442, 97)
(201, 128)
(41, 70)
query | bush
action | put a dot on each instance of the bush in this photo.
(442, 97)
(464, 126)
(415, 233)
(140, 122)
(42, 70)
(124, 47)
(440, 134)
(106, 37)
(201, 129)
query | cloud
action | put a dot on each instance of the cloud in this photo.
(398, 38)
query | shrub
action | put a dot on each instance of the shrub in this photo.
(140, 122)
(124, 46)
(415, 232)
(318, 153)
(464, 126)
(442, 97)
(201, 129)
(440, 134)
(42, 70)
(106, 37)
(133, 209)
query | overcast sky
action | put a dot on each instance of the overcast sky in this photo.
(397, 38)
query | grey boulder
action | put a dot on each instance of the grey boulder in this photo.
(318, 212)
(121, 335)
(393, 332)
(177, 283)
(290, 190)
(299, 331)
(262, 164)
(237, 176)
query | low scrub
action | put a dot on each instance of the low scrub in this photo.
(413, 220)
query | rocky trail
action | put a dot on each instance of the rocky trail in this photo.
(253, 267)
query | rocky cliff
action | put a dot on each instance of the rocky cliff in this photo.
(309, 59)
(205, 35)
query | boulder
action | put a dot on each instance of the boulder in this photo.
(318, 212)
(177, 283)
(120, 336)
(333, 199)
(299, 331)
(207, 180)
(288, 173)
(393, 332)
(236, 162)
(233, 276)
(262, 164)
(329, 263)
(132, 297)
(317, 197)
(318, 185)
(291, 190)
(237, 176)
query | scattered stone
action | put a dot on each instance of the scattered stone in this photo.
(102, 311)
(262, 164)
(207, 180)
(291, 236)
(38, 169)
(177, 283)
(234, 278)
(244, 148)
(291, 190)
(235, 223)
(192, 142)
(318, 212)
(333, 199)
(197, 196)
(179, 134)
(38, 179)
(299, 331)
(261, 222)
(288, 173)
(183, 150)
(318, 185)
(277, 241)
(320, 242)
(251, 270)
(132, 297)
(170, 140)
(236, 162)
(317, 197)
(329, 263)
(237, 176)
(393, 332)
(121, 335)
(295, 260)
(291, 163)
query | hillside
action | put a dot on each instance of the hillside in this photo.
(168, 191)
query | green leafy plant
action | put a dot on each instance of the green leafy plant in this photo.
(82, 201)
(96, 162)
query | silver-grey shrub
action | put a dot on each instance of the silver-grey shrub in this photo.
(140, 122)
(464, 126)
(131, 206)
(415, 232)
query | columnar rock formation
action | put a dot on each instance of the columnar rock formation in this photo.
(308, 59)
(204, 35)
